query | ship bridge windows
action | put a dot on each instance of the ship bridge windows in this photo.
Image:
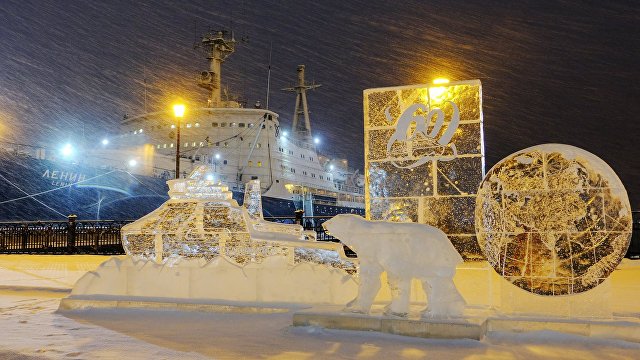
(188, 126)
(186, 144)
(313, 175)
(217, 144)
(259, 163)
(258, 145)
(224, 162)
(164, 146)
(193, 144)
(223, 124)
(290, 152)
(201, 143)
(250, 164)
(250, 125)
(241, 125)
(233, 124)
(321, 178)
(214, 124)
(171, 145)
(226, 144)
(197, 124)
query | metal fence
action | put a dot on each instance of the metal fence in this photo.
(62, 237)
(101, 236)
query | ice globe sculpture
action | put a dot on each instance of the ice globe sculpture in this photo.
(553, 219)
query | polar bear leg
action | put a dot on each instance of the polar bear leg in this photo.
(400, 290)
(443, 299)
(367, 289)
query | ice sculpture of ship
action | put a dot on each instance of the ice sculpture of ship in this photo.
(202, 220)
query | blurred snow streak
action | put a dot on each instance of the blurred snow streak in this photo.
(552, 71)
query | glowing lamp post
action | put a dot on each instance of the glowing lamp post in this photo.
(178, 111)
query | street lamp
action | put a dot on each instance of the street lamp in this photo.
(178, 111)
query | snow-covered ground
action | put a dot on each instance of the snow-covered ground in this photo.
(32, 286)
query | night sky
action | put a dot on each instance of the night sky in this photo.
(552, 71)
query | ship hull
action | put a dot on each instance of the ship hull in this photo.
(36, 190)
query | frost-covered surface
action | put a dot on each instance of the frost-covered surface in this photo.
(404, 251)
(273, 280)
(553, 219)
(33, 330)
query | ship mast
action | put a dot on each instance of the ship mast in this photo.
(218, 48)
(302, 131)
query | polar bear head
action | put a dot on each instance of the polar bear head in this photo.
(342, 226)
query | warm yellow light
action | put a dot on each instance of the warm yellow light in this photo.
(436, 92)
(440, 81)
(178, 110)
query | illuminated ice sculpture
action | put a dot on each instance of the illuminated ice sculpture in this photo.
(404, 251)
(202, 220)
(553, 219)
(424, 157)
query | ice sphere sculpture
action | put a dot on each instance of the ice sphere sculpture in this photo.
(202, 220)
(553, 219)
(424, 157)
(404, 251)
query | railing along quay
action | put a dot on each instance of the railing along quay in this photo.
(102, 236)
(62, 237)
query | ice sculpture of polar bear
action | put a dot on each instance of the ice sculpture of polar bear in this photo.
(404, 251)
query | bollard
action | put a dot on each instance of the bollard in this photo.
(71, 233)
(299, 214)
(25, 236)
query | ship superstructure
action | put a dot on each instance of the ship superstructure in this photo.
(240, 144)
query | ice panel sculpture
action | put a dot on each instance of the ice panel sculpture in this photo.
(202, 220)
(405, 251)
(553, 219)
(424, 157)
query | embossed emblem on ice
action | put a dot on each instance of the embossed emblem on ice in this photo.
(425, 143)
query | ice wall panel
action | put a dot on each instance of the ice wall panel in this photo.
(424, 157)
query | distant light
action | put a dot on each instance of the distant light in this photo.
(210, 177)
(178, 110)
(133, 162)
(218, 156)
(284, 134)
(67, 150)
(316, 140)
(105, 142)
(439, 81)
(173, 126)
(331, 167)
(140, 131)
